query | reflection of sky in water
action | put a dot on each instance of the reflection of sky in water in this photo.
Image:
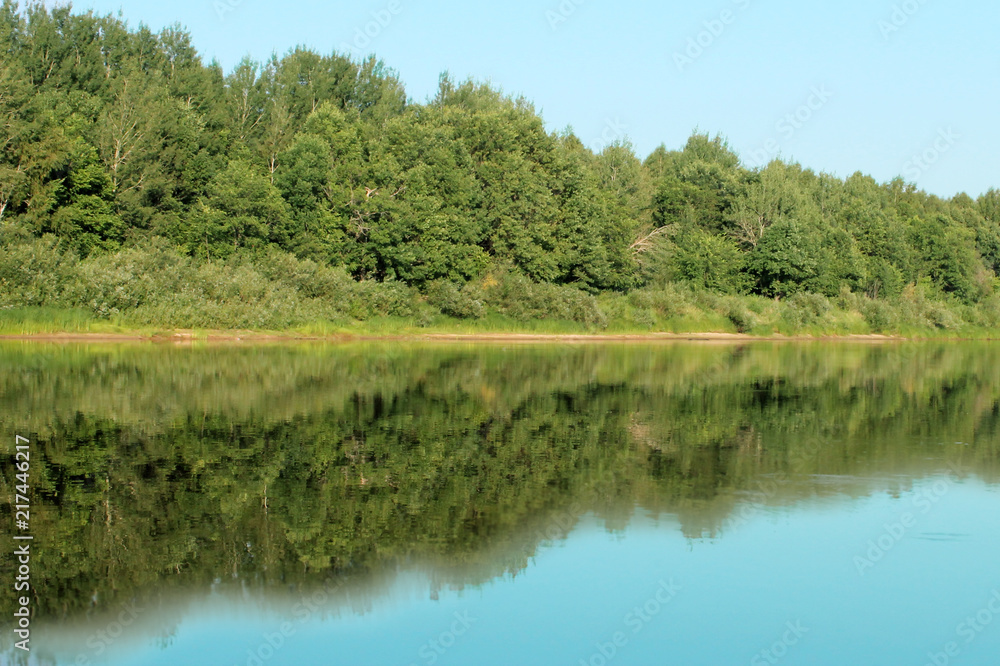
(738, 593)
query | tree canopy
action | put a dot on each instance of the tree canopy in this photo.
(112, 136)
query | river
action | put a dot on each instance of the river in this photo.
(439, 504)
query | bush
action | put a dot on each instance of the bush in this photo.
(741, 317)
(921, 307)
(805, 309)
(32, 270)
(112, 284)
(667, 302)
(307, 277)
(454, 301)
(216, 295)
(156, 285)
(848, 300)
(879, 315)
(372, 299)
(519, 298)
(988, 313)
(941, 316)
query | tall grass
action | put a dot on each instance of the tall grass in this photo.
(45, 319)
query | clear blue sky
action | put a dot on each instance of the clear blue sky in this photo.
(889, 80)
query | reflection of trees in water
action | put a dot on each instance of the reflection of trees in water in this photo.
(164, 470)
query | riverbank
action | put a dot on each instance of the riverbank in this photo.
(188, 337)
(154, 292)
(668, 313)
(74, 325)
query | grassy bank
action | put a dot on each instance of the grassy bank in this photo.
(56, 323)
(155, 289)
(769, 319)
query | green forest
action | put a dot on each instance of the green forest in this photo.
(143, 187)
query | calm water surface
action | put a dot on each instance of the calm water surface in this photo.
(416, 505)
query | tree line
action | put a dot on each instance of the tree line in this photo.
(113, 135)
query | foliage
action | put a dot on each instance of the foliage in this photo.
(114, 137)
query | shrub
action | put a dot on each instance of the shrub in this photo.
(879, 315)
(741, 317)
(988, 313)
(453, 300)
(804, 309)
(112, 284)
(921, 306)
(667, 301)
(32, 270)
(307, 277)
(517, 297)
(848, 300)
(372, 299)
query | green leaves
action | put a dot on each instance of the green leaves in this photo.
(243, 210)
(784, 259)
(708, 261)
(108, 133)
(948, 255)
